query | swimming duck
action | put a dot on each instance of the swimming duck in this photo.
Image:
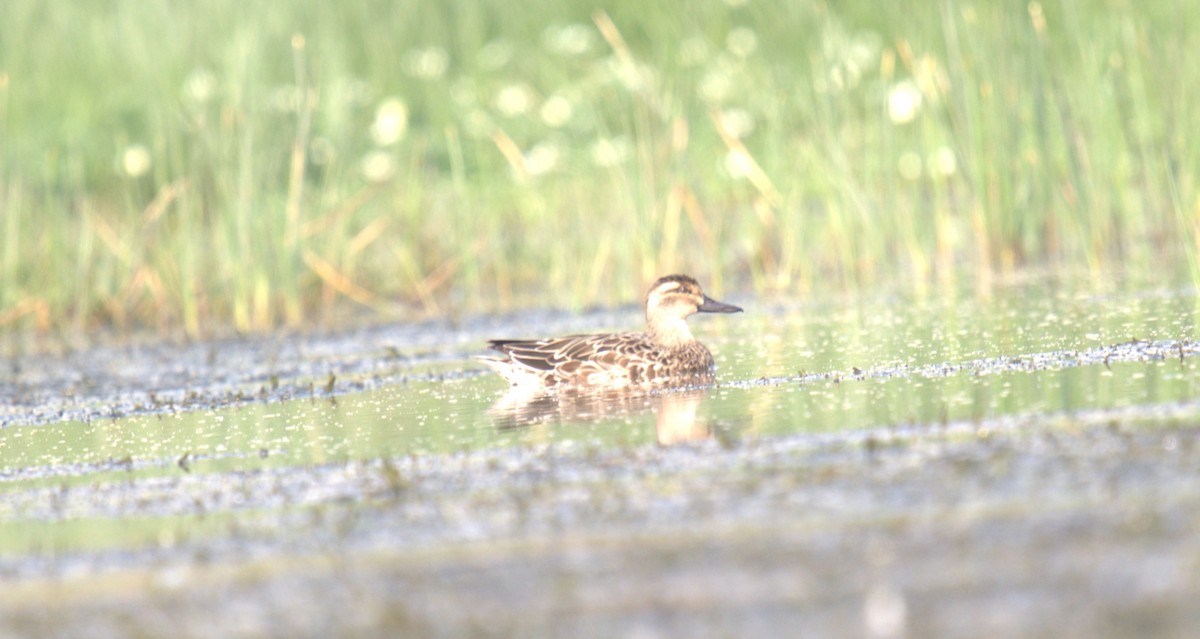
(665, 355)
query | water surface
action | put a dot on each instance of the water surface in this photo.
(785, 370)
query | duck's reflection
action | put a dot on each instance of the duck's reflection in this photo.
(674, 410)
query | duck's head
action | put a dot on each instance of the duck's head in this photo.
(671, 300)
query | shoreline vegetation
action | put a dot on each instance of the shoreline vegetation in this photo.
(185, 167)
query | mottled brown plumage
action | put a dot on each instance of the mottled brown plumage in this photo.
(666, 354)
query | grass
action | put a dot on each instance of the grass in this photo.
(214, 164)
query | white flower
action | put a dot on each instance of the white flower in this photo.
(478, 123)
(609, 152)
(378, 166)
(944, 162)
(904, 102)
(135, 161)
(556, 111)
(391, 122)
(514, 100)
(738, 165)
(741, 41)
(569, 39)
(716, 85)
(495, 54)
(200, 86)
(542, 158)
(737, 122)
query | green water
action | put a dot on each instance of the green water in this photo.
(879, 351)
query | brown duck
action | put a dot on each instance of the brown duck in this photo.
(665, 355)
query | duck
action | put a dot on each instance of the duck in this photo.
(665, 354)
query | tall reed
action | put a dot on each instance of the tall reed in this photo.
(215, 164)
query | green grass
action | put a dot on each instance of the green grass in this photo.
(213, 163)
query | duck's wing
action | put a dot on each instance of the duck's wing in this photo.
(574, 353)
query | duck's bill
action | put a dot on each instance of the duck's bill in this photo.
(713, 306)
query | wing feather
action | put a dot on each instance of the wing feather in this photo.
(576, 354)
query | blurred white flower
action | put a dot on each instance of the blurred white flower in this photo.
(904, 102)
(427, 63)
(200, 86)
(135, 161)
(609, 152)
(568, 39)
(478, 123)
(378, 166)
(741, 41)
(694, 50)
(514, 100)
(542, 158)
(391, 122)
(944, 162)
(862, 51)
(849, 57)
(495, 54)
(716, 85)
(737, 122)
(738, 165)
(556, 111)
(634, 77)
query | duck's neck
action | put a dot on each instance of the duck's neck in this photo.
(670, 332)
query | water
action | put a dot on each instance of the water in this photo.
(939, 463)
(786, 369)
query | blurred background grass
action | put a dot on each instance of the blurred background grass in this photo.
(218, 164)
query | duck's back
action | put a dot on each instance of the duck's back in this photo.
(610, 360)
